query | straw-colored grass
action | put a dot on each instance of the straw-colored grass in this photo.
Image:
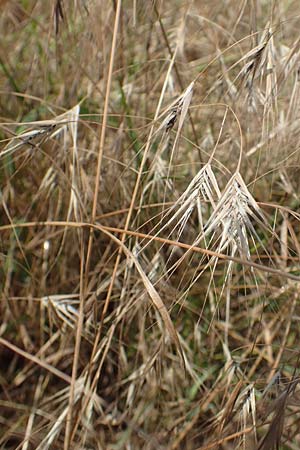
(149, 235)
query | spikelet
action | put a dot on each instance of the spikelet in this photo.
(234, 211)
(203, 188)
(44, 130)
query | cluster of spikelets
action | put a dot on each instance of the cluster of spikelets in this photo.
(233, 212)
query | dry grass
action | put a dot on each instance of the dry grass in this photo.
(149, 235)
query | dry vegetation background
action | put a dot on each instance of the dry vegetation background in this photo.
(149, 234)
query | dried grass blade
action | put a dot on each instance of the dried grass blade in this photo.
(36, 360)
(153, 294)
